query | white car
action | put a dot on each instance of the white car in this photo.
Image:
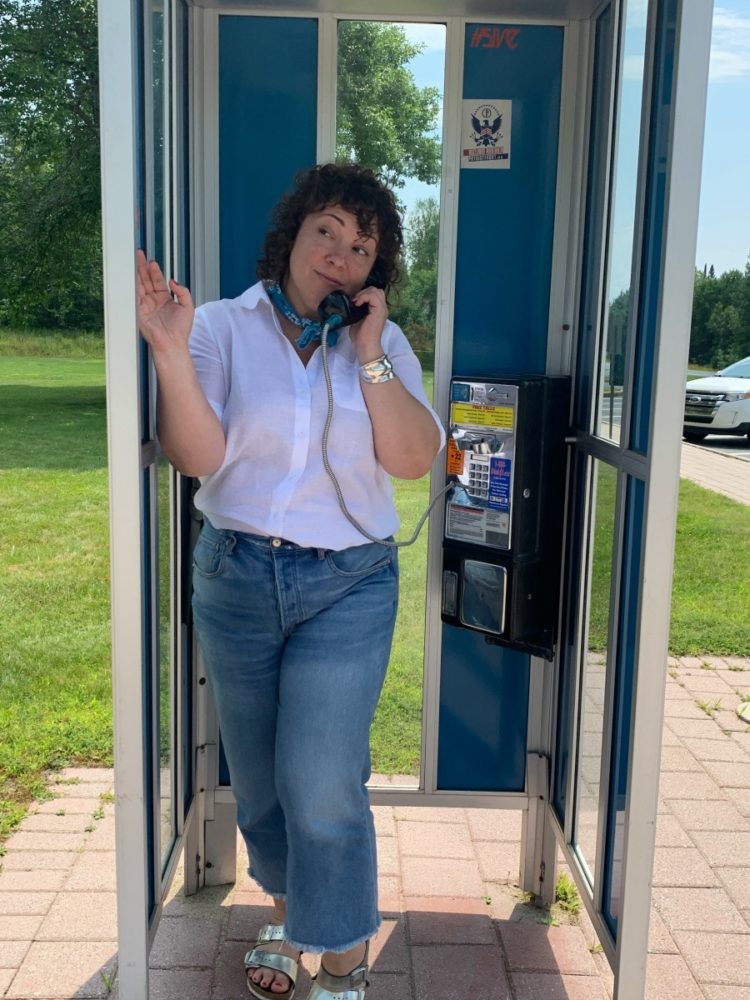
(719, 404)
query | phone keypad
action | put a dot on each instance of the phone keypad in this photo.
(479, 477)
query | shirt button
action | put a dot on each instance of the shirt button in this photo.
(276, 542)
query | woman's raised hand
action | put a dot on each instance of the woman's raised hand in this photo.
(164, 322)
(366, 335)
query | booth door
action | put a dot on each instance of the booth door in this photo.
(143, 178)
(648, 67)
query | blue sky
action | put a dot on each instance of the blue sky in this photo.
(724, 220)
(724, 225)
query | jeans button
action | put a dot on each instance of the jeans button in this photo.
(276, 542)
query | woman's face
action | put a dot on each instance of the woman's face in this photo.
(330, 252)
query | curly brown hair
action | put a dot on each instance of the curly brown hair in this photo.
(354, 188)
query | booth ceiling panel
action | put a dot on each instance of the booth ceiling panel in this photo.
(399, 10)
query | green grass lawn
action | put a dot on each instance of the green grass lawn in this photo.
(710, 592)
(396, 732)
(55, 696)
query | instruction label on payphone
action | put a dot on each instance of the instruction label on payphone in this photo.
(481, 457)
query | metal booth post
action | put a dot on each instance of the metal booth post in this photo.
(568, 218)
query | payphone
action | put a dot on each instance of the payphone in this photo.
(504, 515)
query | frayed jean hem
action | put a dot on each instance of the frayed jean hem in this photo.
(264, 888)
(318, 949)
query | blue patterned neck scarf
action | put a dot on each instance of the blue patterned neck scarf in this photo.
(311, 329)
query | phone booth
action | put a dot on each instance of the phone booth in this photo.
(571, 153)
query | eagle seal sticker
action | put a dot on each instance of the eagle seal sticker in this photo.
(485, 134)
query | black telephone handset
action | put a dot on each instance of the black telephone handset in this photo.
(336, 309)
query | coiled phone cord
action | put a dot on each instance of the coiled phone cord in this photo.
(332, 476)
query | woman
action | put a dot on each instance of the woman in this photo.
(294, 608)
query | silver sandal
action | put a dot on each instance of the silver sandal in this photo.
(258, 956)
(350, 987)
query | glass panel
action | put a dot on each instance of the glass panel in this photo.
(596, 187)
(182, 486)
(158, 93)
(595, 668)
(182, 269)
(662, 94)
(149, 683)
(623, 701)
(392, 75)
(162, 571)
(568, 658)
(617, 301)
(167, 760)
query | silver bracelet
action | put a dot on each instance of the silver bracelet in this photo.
(379, 370)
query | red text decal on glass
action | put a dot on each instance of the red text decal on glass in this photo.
(485, 37)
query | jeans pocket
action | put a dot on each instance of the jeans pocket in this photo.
(359, 560)
(210, 552)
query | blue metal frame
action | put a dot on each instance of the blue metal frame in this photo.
(262, 143)
(484, 692)
(506, 217)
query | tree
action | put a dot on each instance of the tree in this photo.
(50, 268)
(723, 327)
(743, 307)
(617, 332)
(422, 235)
(720, 328)
(417, 306)
(388, 123)
(384, 120)
(705, 296)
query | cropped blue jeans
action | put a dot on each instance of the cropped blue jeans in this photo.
(296, 643)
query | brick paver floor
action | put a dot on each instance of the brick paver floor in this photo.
(455, 925)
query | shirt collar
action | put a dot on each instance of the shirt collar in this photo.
(253, 295)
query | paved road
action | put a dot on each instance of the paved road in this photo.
(736, 447)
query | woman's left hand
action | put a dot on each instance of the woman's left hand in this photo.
(406, 437)
(366, 335)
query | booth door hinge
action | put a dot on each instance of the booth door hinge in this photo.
(537, 775)
(205, 766)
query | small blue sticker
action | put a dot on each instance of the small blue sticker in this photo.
(499, 492)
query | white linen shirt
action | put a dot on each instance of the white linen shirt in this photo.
(273, 410)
